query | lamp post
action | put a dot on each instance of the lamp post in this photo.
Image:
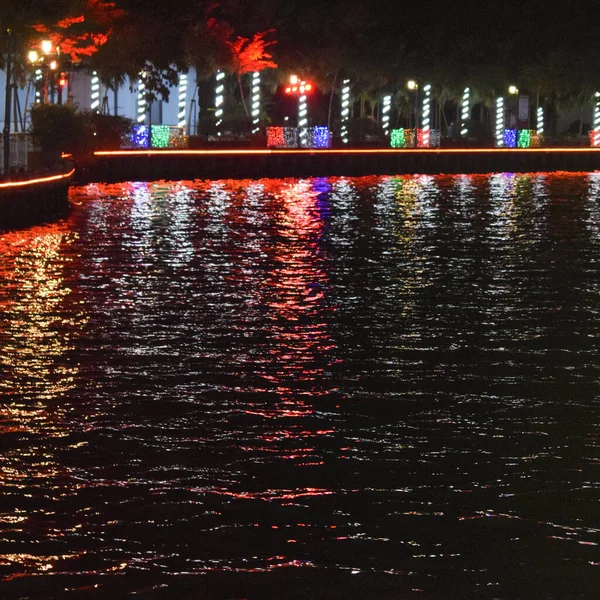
(46, 47)
(513, 90)
(513, 140)
(34, 59)
(299, 87)
(414, 86)
(7, 103)
(42, 67)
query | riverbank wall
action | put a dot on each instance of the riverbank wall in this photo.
(34, 199)
(148, 165)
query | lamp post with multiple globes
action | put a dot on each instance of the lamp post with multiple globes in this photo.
(45, 64)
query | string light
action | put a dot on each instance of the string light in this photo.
(219, 100)
(426, 119)
(409, 138)
(405, 138)
(289, 137)
(140, 136)
(28, 182)
(524, 138)
(255, 102)
(465, 111)
(275, 137)
(95, 91)
(345, 111)
(510, 138)
(183, 83)
(141, 100)
(321, 137)
(500, 121)
(159, 136)
(397, 138)
(385, 119)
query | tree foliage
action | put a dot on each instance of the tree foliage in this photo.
(378, 45)
(82, 33)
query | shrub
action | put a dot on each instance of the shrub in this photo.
(57, 128)
(60, 128)
(106, 132)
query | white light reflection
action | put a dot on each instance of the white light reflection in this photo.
(181, 223)
(592, 206)
(414, 213)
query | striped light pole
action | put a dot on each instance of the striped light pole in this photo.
(255, 102)
(464, 115)
(219, 100)
(95, 96)
(385, 119)
(345, 111)
(142, 107)
(499, 122)
(596, 131)
(183, 85)
(302, 118)
(426, 116)
(540, 121)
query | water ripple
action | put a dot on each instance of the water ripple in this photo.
(338, 387)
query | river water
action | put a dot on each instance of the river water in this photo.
(378, 387)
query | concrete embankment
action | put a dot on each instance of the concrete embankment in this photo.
(148, 165)
(34, 199)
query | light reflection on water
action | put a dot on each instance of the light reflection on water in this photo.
(371, 387)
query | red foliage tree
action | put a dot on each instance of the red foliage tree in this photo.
(248, 56)
(82, 35)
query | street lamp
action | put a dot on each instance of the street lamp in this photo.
(43, 67)
(513, 90)
(412, 85)
(299, 87)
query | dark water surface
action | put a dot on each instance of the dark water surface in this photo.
(381, 387)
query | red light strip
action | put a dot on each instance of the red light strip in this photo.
(346, 151)
(11, 184)
(179, 152)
